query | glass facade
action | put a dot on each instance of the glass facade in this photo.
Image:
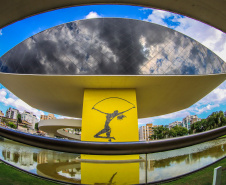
(111, 46)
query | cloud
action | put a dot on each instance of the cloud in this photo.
(92, 15)
(179, 115)
(217, 96)
(0, 32)
(210, 37)
(66, 117)
(158, 17)
(11, 100)
(146, 9)
(2, 93)
(145, 120)
(206, 108)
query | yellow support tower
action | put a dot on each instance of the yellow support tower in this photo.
(109, 115)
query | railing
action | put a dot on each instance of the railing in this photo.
(111, 148)
(147, 164)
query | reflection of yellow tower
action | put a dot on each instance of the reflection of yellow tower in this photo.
(109, 116)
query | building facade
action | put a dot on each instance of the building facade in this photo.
(46, 117)
(12, 113)
(30, 118)
(1, 114)
(146, 131)
(188, 120)
(171, 125)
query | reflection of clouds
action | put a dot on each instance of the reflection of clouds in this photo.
(187, 150)
(27, 168)
(19, 157)
(110, 46)
(177, 169)
(76, 176)
(177, 162)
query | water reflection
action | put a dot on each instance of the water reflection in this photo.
(163, 165)
(47, 163)
(64, 171)
(70, 168)
(110, 46)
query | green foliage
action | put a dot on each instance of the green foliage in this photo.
(12, 125)
(160, 132)
(178, 131)
(36, 126)
(202, 177)
(190, 131)
(10, 175)
(215, 120)
(19, 118)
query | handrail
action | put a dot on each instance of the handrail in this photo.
(111, 148)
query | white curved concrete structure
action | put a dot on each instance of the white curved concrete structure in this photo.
(56, 126)
(156, 95)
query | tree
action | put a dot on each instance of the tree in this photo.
(160, 132)
(178, 131)
(190, 131)
(18, 120)
(36, 126)
(172, 132)
(12, 125)
(198, 126)
(214, 120)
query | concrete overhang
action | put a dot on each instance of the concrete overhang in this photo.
(56, 127)
(156, 95)
(211, 12)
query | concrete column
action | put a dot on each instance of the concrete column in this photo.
(217, 176)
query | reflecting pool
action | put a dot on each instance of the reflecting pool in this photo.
(76, 168)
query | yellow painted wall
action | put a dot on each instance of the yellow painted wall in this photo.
(112, 111)
(109, 109)
(103, 173)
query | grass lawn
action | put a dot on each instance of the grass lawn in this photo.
(11, 176)
(202, 177)
(222, 136)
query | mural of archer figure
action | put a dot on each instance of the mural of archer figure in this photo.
(110, 117)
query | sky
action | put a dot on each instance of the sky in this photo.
(210, 37)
